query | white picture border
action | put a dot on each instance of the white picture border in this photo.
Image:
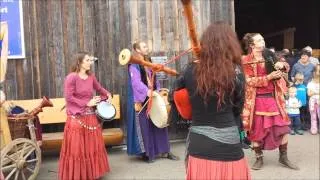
(23, 55)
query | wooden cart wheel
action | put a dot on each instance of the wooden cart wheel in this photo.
(21, 159)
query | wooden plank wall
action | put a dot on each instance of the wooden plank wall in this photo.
(55, 29)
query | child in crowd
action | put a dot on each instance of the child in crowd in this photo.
(302, 97)
(292, 106)
(313, 93)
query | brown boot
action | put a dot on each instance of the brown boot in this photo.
(283, 158)
(259, 159)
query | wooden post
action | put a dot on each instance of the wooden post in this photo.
(32, 129)
(288, 39)
(5, 135)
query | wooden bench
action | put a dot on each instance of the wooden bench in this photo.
(53, 115)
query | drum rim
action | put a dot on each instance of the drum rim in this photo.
(101, 117)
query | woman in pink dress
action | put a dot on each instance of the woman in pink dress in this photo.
(83, 154)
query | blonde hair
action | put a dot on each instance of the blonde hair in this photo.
(292, 88)
(299, 75)
(314, 73)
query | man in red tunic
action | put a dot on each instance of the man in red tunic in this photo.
(264, 115)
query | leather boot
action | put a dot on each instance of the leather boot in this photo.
(259, 159)
(283, 158)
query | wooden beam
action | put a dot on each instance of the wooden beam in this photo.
(292, 29)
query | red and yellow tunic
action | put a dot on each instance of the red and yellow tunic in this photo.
(257, 83)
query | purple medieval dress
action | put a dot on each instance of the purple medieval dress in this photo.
(151, 140)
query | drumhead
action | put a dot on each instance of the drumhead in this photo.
(106, 110)
(158, 112)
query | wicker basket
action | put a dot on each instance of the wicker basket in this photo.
(18, 127)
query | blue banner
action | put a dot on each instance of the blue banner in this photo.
(11, 12)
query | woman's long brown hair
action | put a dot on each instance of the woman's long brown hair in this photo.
(220, 53)
(77, 61)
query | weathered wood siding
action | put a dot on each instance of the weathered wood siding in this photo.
(56, 29)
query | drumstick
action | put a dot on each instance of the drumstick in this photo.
(144, 106)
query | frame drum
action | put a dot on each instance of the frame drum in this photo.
(105, 111)
(158, 112)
